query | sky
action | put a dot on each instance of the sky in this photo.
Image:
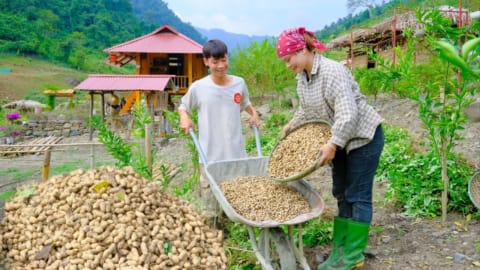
(259, 17)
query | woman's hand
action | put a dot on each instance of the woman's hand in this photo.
(286, 129)
(328, 153)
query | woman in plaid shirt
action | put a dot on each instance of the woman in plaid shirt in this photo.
(328, 91)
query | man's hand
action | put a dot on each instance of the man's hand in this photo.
(185, 122)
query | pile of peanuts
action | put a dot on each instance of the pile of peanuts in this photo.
(299, 150)
(106, 218)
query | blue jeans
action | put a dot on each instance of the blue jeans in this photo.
(353, 175)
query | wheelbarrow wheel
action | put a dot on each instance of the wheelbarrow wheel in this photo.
(275, 246)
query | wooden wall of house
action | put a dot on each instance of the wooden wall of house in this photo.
(161, 63)
(199, 69)
(142, 63)
(157, 63)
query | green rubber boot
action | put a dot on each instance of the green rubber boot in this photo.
(355, 243)
(339, 233)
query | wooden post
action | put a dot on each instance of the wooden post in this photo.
(91, 115)
(46, 164)
(92, 156)
(148, 146)
(102, 96)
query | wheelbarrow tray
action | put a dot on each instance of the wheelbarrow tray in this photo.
(227, 170)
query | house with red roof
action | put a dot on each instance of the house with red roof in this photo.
(166, 64)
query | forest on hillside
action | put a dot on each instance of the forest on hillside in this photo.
(75, 32)
(71, 31)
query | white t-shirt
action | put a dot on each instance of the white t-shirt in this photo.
(219, 122)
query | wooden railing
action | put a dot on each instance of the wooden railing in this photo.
(181, 85)
(181, 81)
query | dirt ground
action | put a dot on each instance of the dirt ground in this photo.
(396, 240)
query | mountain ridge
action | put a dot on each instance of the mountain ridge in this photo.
(234, 41)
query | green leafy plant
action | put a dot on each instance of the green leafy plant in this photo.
(316, 232)
(270, 133)
(127, 153)
(189, 185)
(165, 177)
(441, 99)
(413, 177)
(268, 76)
(238, 248)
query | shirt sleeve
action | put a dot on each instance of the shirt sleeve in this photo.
(245, 96)
(188, 102)
(346, 115)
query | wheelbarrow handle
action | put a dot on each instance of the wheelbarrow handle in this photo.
(257, 140)
(203, 157)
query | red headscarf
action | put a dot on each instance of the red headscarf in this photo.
(292, 40)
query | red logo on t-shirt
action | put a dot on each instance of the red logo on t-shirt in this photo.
(237, 98)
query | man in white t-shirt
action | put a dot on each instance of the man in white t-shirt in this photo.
(219, 98)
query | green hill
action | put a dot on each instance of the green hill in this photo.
(29, 76)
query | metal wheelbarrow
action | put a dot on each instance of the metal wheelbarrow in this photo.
(271, 239)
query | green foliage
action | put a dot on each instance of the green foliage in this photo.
(51, 102)
(238, 247)
(127, 153)
(75, 32)
(266, 76)
(189, 185)
(371, 81)
(270, 133)
(165, 179)
(119, 149)
(16, 174)
(396, 152)
(441, 96)
(69, 166)
(416, 186)
(316, 232)
(415, 178)
(161, 15)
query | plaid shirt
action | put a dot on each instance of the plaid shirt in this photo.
(332, 94)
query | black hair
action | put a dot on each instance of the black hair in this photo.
(215, 48)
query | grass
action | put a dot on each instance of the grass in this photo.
(69, 166)
(33, 75)
(16, 174)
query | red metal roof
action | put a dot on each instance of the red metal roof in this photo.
(109, 82)
(164, 39)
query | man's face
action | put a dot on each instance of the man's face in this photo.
(217, 66)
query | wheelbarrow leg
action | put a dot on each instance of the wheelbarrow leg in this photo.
(283, 247)
(264, 245)
(298, 250)
(261, 259)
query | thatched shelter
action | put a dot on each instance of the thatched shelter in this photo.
(388, 33)
(24, 105)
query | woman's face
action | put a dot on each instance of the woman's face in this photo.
(295, 61)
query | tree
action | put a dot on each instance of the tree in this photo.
(353, 5)
(441, 97)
